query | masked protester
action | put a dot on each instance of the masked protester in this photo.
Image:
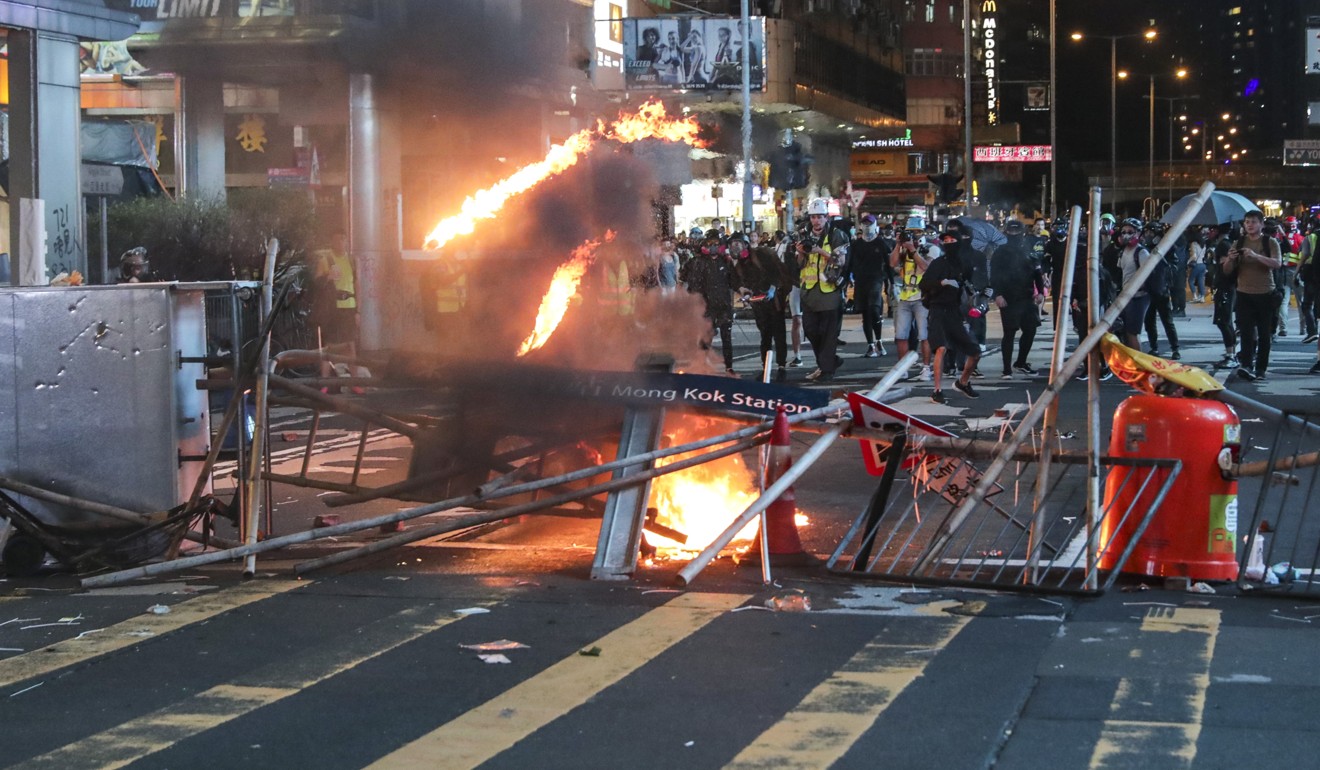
(870, 269)
(710, 274)
(942, 288)
(762, 283)
(1019, 289)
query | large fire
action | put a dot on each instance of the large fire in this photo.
(700, 501)
(562, 288)
(650, 121)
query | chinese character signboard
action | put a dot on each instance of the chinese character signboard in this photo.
(667, 53)
(1013, 153)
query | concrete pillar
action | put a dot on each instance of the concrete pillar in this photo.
(372, 200)
(45, 151)
(199, 135)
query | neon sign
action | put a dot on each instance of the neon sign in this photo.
(990, 58)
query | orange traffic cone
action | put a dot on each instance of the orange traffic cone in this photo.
(781, 533)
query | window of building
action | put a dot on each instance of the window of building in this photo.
(932, 62)
(930, 11)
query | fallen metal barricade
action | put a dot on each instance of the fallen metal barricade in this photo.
(907, 536)
(1281, 542)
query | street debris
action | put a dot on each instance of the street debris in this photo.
(18, 620)
(590, 652)
(159, 609)
(1201, 588)
(471, 611)
(689, 744)
(495, 657)
(26, 689)
(790, 603)
(496, 646)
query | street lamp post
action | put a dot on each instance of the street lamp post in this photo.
(1149, 36)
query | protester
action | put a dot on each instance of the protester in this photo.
(1019, 289)
(942, 290)
(870, 267)
(821, 262)
(909, 260)
(1252, 260)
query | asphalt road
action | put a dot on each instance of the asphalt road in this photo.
(371, 664)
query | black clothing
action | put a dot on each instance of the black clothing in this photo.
(1013, 275)
(1255, 319)
(711, 277)
(947, 266)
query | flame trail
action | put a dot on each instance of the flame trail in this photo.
(650, 121)
(562, 288)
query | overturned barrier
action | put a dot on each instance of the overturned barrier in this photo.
(1005, 540)
(1280, 544)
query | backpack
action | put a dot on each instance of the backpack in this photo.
(1157, 283)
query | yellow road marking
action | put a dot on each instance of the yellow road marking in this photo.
(33, 664)
(502, 721)
(830, 719)
(1123, 741)
(127, 743)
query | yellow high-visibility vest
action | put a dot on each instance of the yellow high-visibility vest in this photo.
(813, 270)
(340, 267)
(616, 295)
(450, 297)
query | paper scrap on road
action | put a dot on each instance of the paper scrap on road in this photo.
(494, 658)
(471, 611)
(496, 646)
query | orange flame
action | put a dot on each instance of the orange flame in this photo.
(650, 121)
(563, 286)
(700, 501)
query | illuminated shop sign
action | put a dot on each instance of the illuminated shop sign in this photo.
(1013, 153)
(990, 59)
(897, 141)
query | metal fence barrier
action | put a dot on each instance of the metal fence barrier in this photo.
(1282, 540)
(905, 537)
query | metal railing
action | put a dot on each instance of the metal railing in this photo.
(1282, 540)
(1005, 543)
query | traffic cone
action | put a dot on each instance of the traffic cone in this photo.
(782, 538)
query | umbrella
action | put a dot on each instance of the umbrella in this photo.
(1222, 206)
(984, 234)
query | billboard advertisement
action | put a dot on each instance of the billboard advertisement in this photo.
(1015, 153)
(669, 53)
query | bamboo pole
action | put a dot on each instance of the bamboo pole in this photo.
(1037, 411)
(252, 516)
(1262, 467)
(694, 567)
(1047, 439)
(1094, 365)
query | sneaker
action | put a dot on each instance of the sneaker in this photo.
(1154, 351)
(824, 378)
(1025, 368)
(1082, 376)
(1283, 332)
(1261, 376)
(880, 348)
(796, 362)
(1246, 374)
(1308, 339)
(1007, 375)
(925, 375)
(1315, 368)
(1229, 360)
(814, 375)
(966, 390)
(1175, 356)
(838, 361)
(1107, 375)
(977, 373)
(938, 397)
(870, 351)
(781, 375)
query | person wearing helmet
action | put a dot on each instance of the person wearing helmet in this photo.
(1018, 289)
(1130, 259)
(763, 282)
(1160, 288)
(870, 269)
(133, 266)
(822, 266)
(1224, 290)
(710, 275)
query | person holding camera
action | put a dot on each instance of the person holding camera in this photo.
(942, 290)
(710, 276)
(1019, 289)
(1253, 258)
(822, 256)
(909, 261)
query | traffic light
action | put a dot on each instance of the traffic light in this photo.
(946, 187)
(788, 168)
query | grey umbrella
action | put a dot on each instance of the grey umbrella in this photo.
(1222, 206)
(984, 234)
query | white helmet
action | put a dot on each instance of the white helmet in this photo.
(818, 206)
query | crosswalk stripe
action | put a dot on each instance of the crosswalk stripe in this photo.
(502, 721)
(146, 735)
(132, 631)
(1133, 742)
(830, 719)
